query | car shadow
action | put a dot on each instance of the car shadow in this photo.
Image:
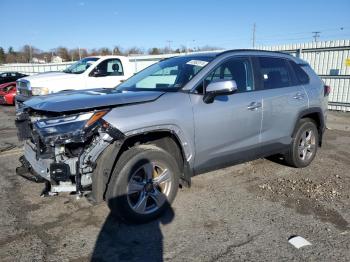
(118, 241)
(278, 159)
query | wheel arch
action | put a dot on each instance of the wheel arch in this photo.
(166, 139)
(316, 114)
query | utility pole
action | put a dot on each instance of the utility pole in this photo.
(169, 45)
(30, 54)
(253, 39)
(316, 35)
(79, 53)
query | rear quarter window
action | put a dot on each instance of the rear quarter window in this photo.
(301, 75)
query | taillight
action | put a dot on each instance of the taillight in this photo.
(327, 90)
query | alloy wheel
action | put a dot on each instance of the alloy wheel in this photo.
(307, 145)
(149, 187)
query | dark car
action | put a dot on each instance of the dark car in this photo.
(10, 77)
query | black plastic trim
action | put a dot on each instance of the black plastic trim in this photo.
(312, 110)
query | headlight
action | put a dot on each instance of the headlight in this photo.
(40, 91)
(51, 122)
(67, 127)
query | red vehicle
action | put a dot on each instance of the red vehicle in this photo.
(8, 93)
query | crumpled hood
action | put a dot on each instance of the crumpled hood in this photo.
(89, 99)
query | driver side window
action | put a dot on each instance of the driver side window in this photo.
(110, 67)
(238, 69)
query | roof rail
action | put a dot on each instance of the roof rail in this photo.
(251, 50)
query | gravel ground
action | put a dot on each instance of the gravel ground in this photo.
(242, 213)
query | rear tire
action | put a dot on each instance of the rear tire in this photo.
(304, 145)
(144, 183)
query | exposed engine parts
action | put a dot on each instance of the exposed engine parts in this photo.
(65, 160)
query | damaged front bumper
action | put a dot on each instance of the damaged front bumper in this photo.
(26, 171)
(63, 150)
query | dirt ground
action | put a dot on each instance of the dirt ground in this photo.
(243, 213)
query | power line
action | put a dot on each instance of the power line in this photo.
(342, 31)
(305, 32)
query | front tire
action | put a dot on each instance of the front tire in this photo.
(144, 183)
(304, 145)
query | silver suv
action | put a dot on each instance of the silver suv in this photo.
(133, 146)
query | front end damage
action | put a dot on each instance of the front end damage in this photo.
(62, 149)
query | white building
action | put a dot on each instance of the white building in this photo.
(56, 59)
(36, 60)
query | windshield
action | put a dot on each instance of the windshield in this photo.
(167, 75)
(81, 66)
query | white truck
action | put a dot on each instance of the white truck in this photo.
(87, 73)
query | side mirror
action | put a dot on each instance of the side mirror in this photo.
(219, 88)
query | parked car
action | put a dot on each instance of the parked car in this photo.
(7, 77)
(133, 146)
(89, 72)
(8, 93)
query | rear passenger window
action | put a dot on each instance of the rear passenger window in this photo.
(275, 72)
(302, 77)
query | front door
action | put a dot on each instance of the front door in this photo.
(227, 130)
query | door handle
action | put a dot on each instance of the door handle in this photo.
(299, 96)
(253, 106)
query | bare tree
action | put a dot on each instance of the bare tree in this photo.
(63, 53)
(167, 50)
(154, 51)
(208, 48)
(117, 50)
(134, 51)
(11, 56)
(74, 54)
(83, 52)
(93, 52)
(105, 51)
(26, 54)
(2, 55)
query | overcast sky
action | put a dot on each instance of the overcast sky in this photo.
(227, 24)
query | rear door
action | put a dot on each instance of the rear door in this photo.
(227, 130)
(283, 98)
